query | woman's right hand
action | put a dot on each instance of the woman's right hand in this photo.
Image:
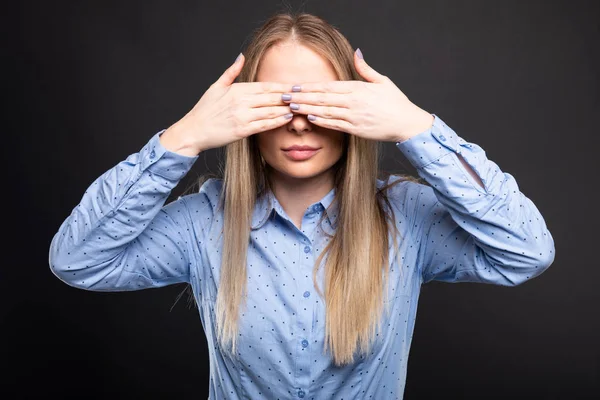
(228, 112)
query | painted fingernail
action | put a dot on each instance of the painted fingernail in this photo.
(286, 97)
(359, 53)
(288, 116)
(311, 117)
(296, 88)
(294, 106)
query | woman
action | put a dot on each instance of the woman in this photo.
(293, 255)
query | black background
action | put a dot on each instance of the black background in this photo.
(90, 82)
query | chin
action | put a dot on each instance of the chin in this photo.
(302, 173)
(299, 171)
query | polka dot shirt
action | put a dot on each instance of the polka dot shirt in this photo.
(122, 237)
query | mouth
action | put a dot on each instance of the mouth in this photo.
(301, 148)
(300, 155)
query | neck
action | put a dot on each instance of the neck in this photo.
(296, 194)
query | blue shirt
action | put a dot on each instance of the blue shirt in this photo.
(121, 236)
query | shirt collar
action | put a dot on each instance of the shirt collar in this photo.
(267, 203)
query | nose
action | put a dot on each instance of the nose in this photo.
(299, 124)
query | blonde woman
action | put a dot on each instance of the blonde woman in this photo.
(304, 261)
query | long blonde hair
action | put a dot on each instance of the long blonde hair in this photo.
(357, 253)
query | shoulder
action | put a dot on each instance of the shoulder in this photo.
(212, 187)
(200, 202)
(410, 196)
(207, 198)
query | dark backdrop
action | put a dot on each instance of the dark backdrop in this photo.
(90, 82)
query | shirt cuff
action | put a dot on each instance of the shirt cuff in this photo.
(170, 165)
(435, 154)
(431, 144)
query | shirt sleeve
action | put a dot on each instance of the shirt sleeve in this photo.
(468, 233)
(121, 237)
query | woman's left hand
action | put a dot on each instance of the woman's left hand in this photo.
(376, 109)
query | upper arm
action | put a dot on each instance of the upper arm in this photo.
(160, 255)
(474, 250)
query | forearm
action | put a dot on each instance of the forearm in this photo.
(470, 170)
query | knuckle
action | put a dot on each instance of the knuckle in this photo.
(329, 112)
(267, 87)
(238, 120)
(234, 88)
(240, 131)
(344, 114)
(243, 98)
(263, 126)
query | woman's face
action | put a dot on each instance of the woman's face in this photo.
(293, 63)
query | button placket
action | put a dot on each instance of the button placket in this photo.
(304, 321)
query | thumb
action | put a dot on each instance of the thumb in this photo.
(365, 70)
(227, 78)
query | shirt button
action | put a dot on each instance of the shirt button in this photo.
(304, 343)
(442, 138)
(306, 294)
(152, 154)
(307, 249)
(301, 393)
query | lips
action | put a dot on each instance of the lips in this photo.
(301, 148)
(300, 155)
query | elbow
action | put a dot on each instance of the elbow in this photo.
(67, 274)
(545, 254)
(535, 268)
(67, 269)
(545, 259)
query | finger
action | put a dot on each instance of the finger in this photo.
(322, 111)
(256, 114)
(265, 87)
(330, 99)
(365, 70)
(330, 86)
(266, 124)
(265, 99)
(228, 77)
(332, 123)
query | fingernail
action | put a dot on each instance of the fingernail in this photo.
(288, 116)
(359, 53)
(286, 97)
(296, 88)
(294, 106)
(311, 117)
(238, 58)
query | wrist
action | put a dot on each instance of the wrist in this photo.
(420, 121)
(178, 138)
